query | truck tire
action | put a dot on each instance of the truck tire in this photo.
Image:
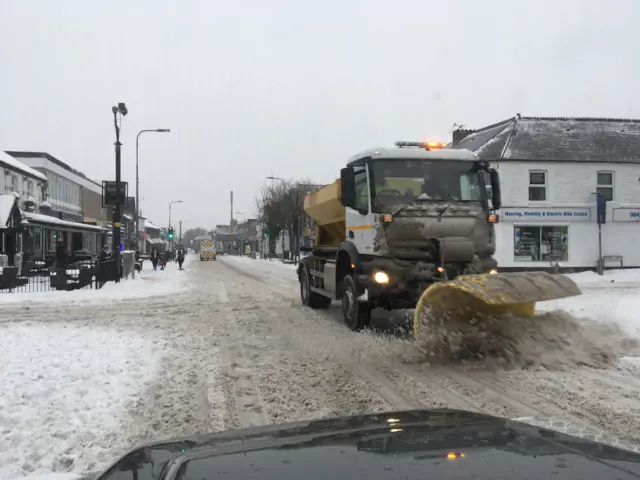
(309, 298)
(356, 315)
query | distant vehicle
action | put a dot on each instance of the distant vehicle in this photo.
(415, 444)
(207, 250)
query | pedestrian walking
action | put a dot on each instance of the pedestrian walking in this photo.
(155, 257)
(180, 258)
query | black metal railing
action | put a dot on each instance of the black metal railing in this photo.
(40, 278)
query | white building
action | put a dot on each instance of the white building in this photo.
(28, 183)
(550, 170)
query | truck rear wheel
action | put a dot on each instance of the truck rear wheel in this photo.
(309, 298)
(356, 315)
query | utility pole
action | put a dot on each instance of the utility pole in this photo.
(117, 215)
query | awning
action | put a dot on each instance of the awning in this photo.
(155, 241)
(37, 219)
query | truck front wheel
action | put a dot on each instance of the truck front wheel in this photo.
(356, 315)
(309, 298)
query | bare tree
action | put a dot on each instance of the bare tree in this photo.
(281, 210)
(191, 234)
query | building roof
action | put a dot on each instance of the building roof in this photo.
(9, 161)
(557, 139)
(149, 224)
(52, 159)
(7, 204)
(46, 219)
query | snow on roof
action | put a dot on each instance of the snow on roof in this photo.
(18, 165)
(598, 140)
(6, 204)
(150, 224)
(37, 217)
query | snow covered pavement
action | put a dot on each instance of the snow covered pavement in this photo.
(81, 383)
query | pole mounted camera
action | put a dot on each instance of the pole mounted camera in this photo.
(122, 108)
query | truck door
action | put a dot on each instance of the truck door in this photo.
(359, 220)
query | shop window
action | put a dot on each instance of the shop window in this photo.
(540, 244)
(13, 186)
(537, 186)
(605, 185)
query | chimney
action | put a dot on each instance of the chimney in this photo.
(459, 135)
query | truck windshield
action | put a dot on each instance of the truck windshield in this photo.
(398, 182)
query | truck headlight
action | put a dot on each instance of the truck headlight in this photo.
(381, 278)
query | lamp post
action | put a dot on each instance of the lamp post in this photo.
(170, 203)
(158, 130)
(122, 110)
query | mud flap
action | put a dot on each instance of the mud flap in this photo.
(470, 298)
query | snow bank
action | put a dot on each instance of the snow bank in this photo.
(147, 284)
(631, 275)
(273, 266)
(64, 391)
(612, 298)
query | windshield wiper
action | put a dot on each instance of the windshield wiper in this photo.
(441, 210)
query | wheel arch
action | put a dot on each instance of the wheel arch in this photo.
(347, 261)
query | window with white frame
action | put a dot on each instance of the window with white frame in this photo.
(537, 186)
(605, 185)
(30, 188)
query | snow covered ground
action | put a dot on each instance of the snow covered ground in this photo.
(148, 284)
(82, 382)
(59, 382)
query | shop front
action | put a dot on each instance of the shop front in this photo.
(47, 232)
(537, 238)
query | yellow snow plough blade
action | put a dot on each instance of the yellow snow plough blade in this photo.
(468, 298)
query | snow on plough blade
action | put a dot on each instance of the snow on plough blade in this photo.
(469, 298)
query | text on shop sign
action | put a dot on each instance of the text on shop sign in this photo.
(547, 214)
(626, 215)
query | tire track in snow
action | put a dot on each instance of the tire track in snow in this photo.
(295, 382)
(383, 384)
(244, 405)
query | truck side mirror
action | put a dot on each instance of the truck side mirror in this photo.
(495, 189)
(348, 187)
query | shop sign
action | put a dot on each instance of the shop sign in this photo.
(546, 214)
(626, 214)
(110, 195)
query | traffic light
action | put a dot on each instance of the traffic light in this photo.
(170, 233)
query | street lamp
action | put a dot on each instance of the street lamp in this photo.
(122, 110)
(157, 130)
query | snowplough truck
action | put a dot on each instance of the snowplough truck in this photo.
(412, 227)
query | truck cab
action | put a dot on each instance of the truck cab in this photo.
(398, 220)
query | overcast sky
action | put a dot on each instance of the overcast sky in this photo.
(291, 88)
